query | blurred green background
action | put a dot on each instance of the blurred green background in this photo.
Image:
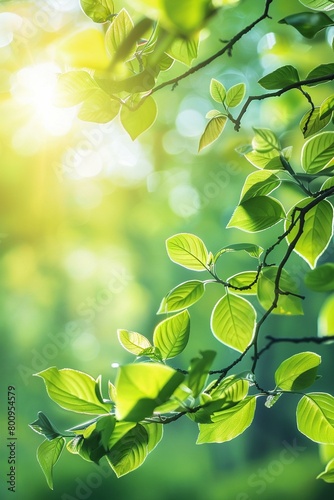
(84, 216)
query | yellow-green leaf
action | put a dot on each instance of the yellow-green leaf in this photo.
(171, 335)
(297, 372)
(182, 296)
(315, 417)
(139, 120)
(257, 214)
(287, 304)
(235, 95)
(318, 153)
(188, 251)
(326, 318)
(48, 454)
(212, 131)
(133, 342)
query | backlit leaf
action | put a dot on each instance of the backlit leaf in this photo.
(235, 95)
(321, 279)
(74, 390)
(327, 107)
(323, 70)
(130, 451)
(118, 32)
(212, 131)
(287, 304)
(182, 296)
(233, 321)
(318, 4)
(252, 250)
(139, 120)
(315, 417)
(48, 454)
(308, 23)
(269, 160)
(133, 342)
(142, 387)
(229, 423)
(99, 11)
(326, 318)
(171, 335)
(281, 77)
(43, 426)
(188, 251)
(199, 372)
(74, 87)
(297, 372)
(99, 108)
(217, 91)
(257, 214)
(328, 474)
(317, 230)
(318, 153)
(244, 280)
(259, 183)
(185, 50)
(265, 140)
(311, 122)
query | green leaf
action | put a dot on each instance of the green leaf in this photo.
(74, 87)
(311, 122)
(99, 11)
(315, 417)
(321, 279)
(326, 452)
(118, 32)
(318, 152)
(328, 474)
(287, 304)
(317, 230)
(212, 131)
(233, 321)
(323, 70)
(297, 372)
(186, 16)
(327, 107)
(185, 50)
(281, 77)
(133, 342)
(182, 296)
(217, 91)
(252, 250)
(259, 183)
(244, 279)
(269, 160)
(188, 251)
(99, 108)
(155, 434)
(329, 183)
(318, 4)
(48, 454)
(257, 214)
(199, 371)
(229, 423)
(130, 451)
(142, 387)
(139, 120)
(326, 318)
(171, 335)
(265, 140)
(235, 95)
(308, 23)
(74, 390)
(43, 426)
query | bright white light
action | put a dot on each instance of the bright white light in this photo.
(35, 87)
(114, 365)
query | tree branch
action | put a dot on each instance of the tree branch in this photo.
(276, 340)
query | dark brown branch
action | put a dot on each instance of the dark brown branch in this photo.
(227, 48)
(276, 340)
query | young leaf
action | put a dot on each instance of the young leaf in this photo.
(232, 389)
(74, 87)
(259, 183)
(212, 131)
(297, 372)
(217, 91)
(326, 318)
(318, 4)
(320, 71)
(287, 304)
(130, 451)
(317, 230)
(199, 371)
(99, 11)
(265, 140)
(308, 23)
(186, 16)
(133, 342)
(48, 454)
(321, 279)
(233, 322)
(182, 296)
(155, 433)
(244, 279)
(43, 426)
(311, 122)
(118, 32)
(318, 152)
(229, 423)
(171, 335)
(281, 77)
(252, 250)
(269, 160)
(328, 474)
(327, 107)
(257, 214)
(185, 50)
(139, 120)
(235, 95)
(188, 251)
(315, 417)
(99, 108)
(329, 183)
(74, 390)
(142, 387)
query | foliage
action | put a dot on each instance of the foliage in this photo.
(148, 393)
